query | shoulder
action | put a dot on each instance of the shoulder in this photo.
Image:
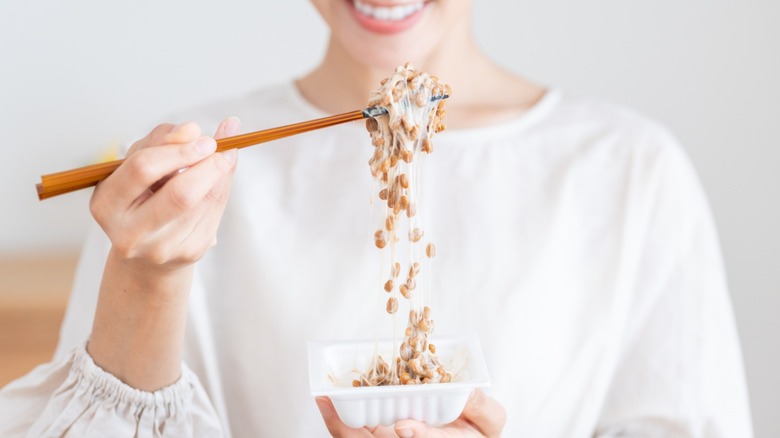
(653, 160)
(599, 118)
(607, 142)
(587, 126)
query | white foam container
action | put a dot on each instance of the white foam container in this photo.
(435, 404)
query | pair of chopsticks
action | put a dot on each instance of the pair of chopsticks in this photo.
(75, 179)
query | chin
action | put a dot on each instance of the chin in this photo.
(384, 52)
(386, 57)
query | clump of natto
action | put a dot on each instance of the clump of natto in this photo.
(415, 113)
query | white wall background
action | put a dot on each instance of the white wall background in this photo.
(77, 77)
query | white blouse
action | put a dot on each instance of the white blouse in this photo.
(575, 241)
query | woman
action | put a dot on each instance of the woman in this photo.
(574, 240)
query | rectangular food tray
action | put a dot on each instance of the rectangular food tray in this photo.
(331, 364)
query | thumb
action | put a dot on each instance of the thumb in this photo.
(485, 413)
(416, 429)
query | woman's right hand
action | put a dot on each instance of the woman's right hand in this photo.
(156, 216)
(160, 221)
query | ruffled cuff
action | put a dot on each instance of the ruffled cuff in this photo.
(89, 379)
(82, 399)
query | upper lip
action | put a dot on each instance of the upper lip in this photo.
(390, 4)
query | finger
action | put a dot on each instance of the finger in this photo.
(177, 134)
(181, 237)
(485, 413)
(182, 133)
(418, 429)
(153, 137)
(167, 133)
(204, 234)
(145, 167)
(228, 128)
(189, 190)
(334, 424)
(162, 134)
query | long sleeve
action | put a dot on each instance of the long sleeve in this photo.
(71, 396)
(679, 371)
(74, 397)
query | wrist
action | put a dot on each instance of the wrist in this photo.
(138, 331)
(150, 284)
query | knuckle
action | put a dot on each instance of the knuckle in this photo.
(222, 164)
(154, 137)
(124, 247)
(190, 254)
(181, 196)
(196, 150)
(96, 209)
(133, 245)
(157, 257)
(140, 165)
(187, 153)
(217, 195)
(227, 161)
(134, 147)
(161, 130)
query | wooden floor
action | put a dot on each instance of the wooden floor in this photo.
(33, 293)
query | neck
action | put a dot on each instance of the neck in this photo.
(342, 83)
(483, 93)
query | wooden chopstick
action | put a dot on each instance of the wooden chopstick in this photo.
(68, 181)
(75, 179)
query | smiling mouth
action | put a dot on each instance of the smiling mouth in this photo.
(388, 13)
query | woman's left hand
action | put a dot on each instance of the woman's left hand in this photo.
(482, 417)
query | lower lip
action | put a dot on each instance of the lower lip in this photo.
(386, 27)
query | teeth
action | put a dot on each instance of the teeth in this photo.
(392, 13)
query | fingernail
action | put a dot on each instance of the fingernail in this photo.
(205, 145)
(230, 155)
(232, 126)
(325, 407)
(405, 432)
